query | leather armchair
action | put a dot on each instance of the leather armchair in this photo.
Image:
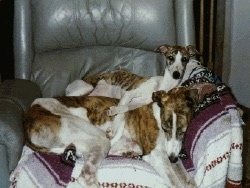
(56, 42)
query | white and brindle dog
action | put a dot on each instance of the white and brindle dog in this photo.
(155, 130)
(134, 90)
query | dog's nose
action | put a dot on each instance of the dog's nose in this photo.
(176, 75)
(173, 159)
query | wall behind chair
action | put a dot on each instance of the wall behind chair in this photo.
(236, 62)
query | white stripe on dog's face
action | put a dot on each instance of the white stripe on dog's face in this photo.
(173, 144)
(176, 112)
(176, 68)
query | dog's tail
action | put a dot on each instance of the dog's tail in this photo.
(37, 148)
(93, 80)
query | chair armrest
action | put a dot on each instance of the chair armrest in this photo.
(11, 132)
(15, 97)
(23, 92)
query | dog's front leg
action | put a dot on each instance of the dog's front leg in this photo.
(117, 128)
(183, 175)
(123, 104)
(120, 109)
(131, 100)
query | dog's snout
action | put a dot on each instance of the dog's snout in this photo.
(176, 75)
(173, 159)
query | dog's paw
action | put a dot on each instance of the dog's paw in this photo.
(80, 183)
(146, 158)
(109, 133)
(111, 111)
(191, 184)
(88, 176)
(132, 154)
(75, 184)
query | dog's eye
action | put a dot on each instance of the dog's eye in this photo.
(171, 58)
(184, 59)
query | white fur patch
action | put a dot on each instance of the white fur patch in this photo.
(104, 89)
(77, 88)
(177, 65)
(174, 145)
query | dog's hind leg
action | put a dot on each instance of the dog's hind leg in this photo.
(92, 160)
(91, 145)
(93, 155)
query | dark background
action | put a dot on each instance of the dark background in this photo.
(6, 39)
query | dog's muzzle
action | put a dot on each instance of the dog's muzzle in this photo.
(173, 158)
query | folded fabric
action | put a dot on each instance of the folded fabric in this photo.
(214, 141)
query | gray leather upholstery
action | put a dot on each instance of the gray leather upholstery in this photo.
(64, 40)
(56, 42)
(11, 138)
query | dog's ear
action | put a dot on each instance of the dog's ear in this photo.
(192, 50)
(203, 89)
(192, 97)
(157, 97)
(162, 49)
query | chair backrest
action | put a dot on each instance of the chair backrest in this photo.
(56, 42)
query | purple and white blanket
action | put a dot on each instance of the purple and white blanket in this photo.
(213, 144)
(214, 141)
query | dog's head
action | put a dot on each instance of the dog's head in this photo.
(176, 111)
(177, 58)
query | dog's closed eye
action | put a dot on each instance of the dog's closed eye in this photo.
(165, 129)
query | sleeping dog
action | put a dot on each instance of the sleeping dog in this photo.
(134, 90)
(155, 130)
